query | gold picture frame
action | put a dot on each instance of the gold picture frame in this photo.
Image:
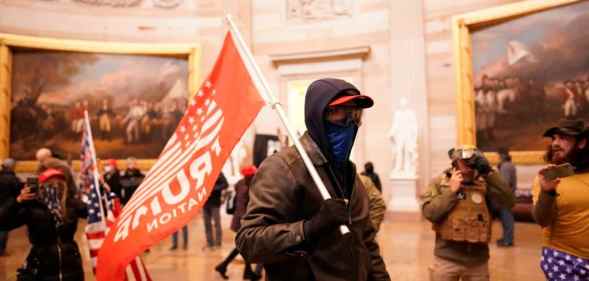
(192, 52)
(462, 27)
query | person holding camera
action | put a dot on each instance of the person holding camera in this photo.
(458, 204)
(51, 215)
(561, 202)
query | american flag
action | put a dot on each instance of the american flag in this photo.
(102, 208)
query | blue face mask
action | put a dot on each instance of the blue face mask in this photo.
(341, 140)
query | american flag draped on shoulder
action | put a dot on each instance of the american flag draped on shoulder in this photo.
(102, 208)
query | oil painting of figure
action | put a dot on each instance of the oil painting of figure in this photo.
(134, 102)
(530, 72)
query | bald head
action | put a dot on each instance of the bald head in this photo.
(43, 154)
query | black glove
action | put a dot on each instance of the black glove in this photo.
(332, 214)
(482, 165)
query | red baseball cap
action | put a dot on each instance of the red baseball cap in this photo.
(361, 101)
(248, 171)
(49, 174)
(112, 162)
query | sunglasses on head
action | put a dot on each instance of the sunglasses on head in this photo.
(344, 115)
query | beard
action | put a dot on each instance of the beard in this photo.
(556, 155)
(578, 157)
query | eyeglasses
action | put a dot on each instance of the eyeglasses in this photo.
(344, 115)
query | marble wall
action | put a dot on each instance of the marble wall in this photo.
(391, 49)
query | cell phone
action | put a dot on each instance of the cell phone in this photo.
(559, 171)
(33, 184)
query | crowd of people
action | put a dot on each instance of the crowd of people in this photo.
(284, 224)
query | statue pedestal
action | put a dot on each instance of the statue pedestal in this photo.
(403, 197)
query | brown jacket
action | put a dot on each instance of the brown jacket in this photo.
(378, 207)
(438, 201)
(282, 197)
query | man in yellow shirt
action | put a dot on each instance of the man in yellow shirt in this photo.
(561, 205)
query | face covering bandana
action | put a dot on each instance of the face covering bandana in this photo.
(341, 139)
(51, 196)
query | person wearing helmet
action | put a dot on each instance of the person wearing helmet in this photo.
(458, 204)
(51, 215)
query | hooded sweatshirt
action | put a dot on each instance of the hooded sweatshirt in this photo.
(319, 94)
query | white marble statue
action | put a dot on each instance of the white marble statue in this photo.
(403, 135)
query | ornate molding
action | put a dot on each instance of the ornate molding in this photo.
(309, 10)
(163, 4)
(112, 3)
(361, 52)
(167, 4)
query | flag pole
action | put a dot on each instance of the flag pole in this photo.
(95, 166)
(262, 86)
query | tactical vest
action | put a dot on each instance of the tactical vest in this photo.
(470, 219)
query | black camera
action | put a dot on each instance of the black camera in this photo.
(33, 184)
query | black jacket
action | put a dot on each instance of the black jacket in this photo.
(130, 181)
(10, 185)
(54, 254)
(215, 198)
(113, 180)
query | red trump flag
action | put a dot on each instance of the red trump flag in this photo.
(181, 180)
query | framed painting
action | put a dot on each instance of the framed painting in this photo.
(519, 69)
(135, 95)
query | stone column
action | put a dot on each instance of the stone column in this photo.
(408, 80)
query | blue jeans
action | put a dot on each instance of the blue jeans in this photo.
(184, 235)
(3, 240)
(506, 217)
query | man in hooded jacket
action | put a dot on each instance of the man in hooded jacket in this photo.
(288, 226)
